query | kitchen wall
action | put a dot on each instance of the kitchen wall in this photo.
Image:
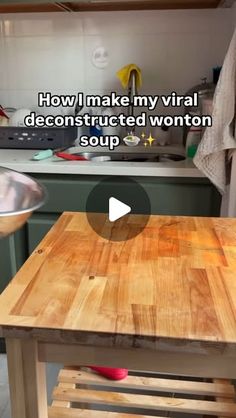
(53, 52)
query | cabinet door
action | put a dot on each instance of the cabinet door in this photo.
(13, 254)
(37, 227)
(168, 196)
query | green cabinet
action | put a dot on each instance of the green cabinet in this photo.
(13, 253)
(170, 196)
(37, 227)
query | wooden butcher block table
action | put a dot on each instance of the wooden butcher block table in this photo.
(163, 302)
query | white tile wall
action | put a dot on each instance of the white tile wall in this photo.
(54, 51)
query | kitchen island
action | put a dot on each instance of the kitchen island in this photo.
(162, 302)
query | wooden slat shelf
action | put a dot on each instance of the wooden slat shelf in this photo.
(110, 5)
(84, 388)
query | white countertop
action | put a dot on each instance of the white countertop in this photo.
(21, 160)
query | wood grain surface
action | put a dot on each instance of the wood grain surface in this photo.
(174, 280)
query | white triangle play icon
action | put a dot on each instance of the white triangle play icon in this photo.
(117, 209)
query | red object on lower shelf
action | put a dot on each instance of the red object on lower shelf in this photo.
(110, 373)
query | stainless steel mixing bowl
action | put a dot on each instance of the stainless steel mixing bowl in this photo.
(20, 195)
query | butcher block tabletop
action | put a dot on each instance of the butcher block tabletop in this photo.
(176, 279)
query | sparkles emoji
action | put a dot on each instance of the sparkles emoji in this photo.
(150, 139)
(143, 135)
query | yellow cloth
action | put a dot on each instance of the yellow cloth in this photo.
(124, 75)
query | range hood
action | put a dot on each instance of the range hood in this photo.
(15, 6)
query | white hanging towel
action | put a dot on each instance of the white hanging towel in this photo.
(213, 154)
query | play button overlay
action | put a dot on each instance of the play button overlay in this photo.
(118, 208)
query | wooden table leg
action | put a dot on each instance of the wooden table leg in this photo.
(27, 379)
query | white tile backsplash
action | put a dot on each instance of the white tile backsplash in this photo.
(44, 63)
(189, 59)
(155, 22)
(42, 24)
(3, 65)
(147, 51)
(54, 51)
